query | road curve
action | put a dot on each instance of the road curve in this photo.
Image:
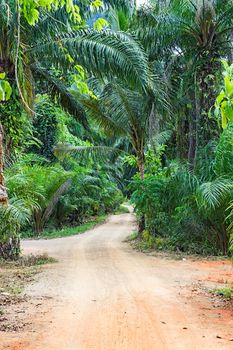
(102, 295)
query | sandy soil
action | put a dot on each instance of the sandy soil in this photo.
(102, 295)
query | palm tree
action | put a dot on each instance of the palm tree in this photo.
(189, 38)
(121, 111)
(124, 112)
(12, 217)
(38, 185)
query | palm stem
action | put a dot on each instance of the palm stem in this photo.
(3, 191)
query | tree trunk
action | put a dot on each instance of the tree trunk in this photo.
(182, 133)
(141, 168)
(192, 141)
(194, 125)
(141, 225)
(38, 224)
(10, 248)
(3, 191)
(225, 239)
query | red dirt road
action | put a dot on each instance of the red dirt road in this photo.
(102, 295)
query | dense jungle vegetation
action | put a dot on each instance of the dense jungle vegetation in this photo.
(102, 101)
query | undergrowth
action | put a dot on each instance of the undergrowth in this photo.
(226, 292)
(67, 231)
(148, 242)
(123, 209)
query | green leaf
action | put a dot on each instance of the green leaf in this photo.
(220, 97)
(225, 64)
(69, 5)
(5, 90)
(224, 121)
(229, 112)
(2, 94)
(100, 24)
(32, 16)
(8, 90)
(216, 112)
(228, 85)
(96, 4)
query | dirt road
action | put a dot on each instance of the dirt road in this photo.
(102, 295)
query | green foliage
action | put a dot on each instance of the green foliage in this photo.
(192, 214)
(91, 194)
(225, 292)
(123, 209)
(17, 128)
(68, 231)
(100, 23)
(41, 185)
(186, 196)
(31, 8)
(54, 197)
(51, 125)
(224, 101)
(152, 242)
(223, 164)
(132, 237)
(48, 42)
(119, 83)
(13, 217)
(231, 245)
(63, 50)
(5, 88)
(45, 127)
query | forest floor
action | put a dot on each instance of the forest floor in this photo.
(103, 295)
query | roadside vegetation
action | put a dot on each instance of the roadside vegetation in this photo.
(14, 275)
(66, 231)
(101, 102)
(225, 292)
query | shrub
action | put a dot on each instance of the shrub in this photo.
(192, 213)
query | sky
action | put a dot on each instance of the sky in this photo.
(140, 2)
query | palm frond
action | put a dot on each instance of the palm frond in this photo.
(16, 212)
(54, 200)
(103, 53)
(84, 152)
(94, 108)
(213, 192)
(59, 92)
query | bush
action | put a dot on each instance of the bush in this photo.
(89, 195)
(187, 210)
(52, 197)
